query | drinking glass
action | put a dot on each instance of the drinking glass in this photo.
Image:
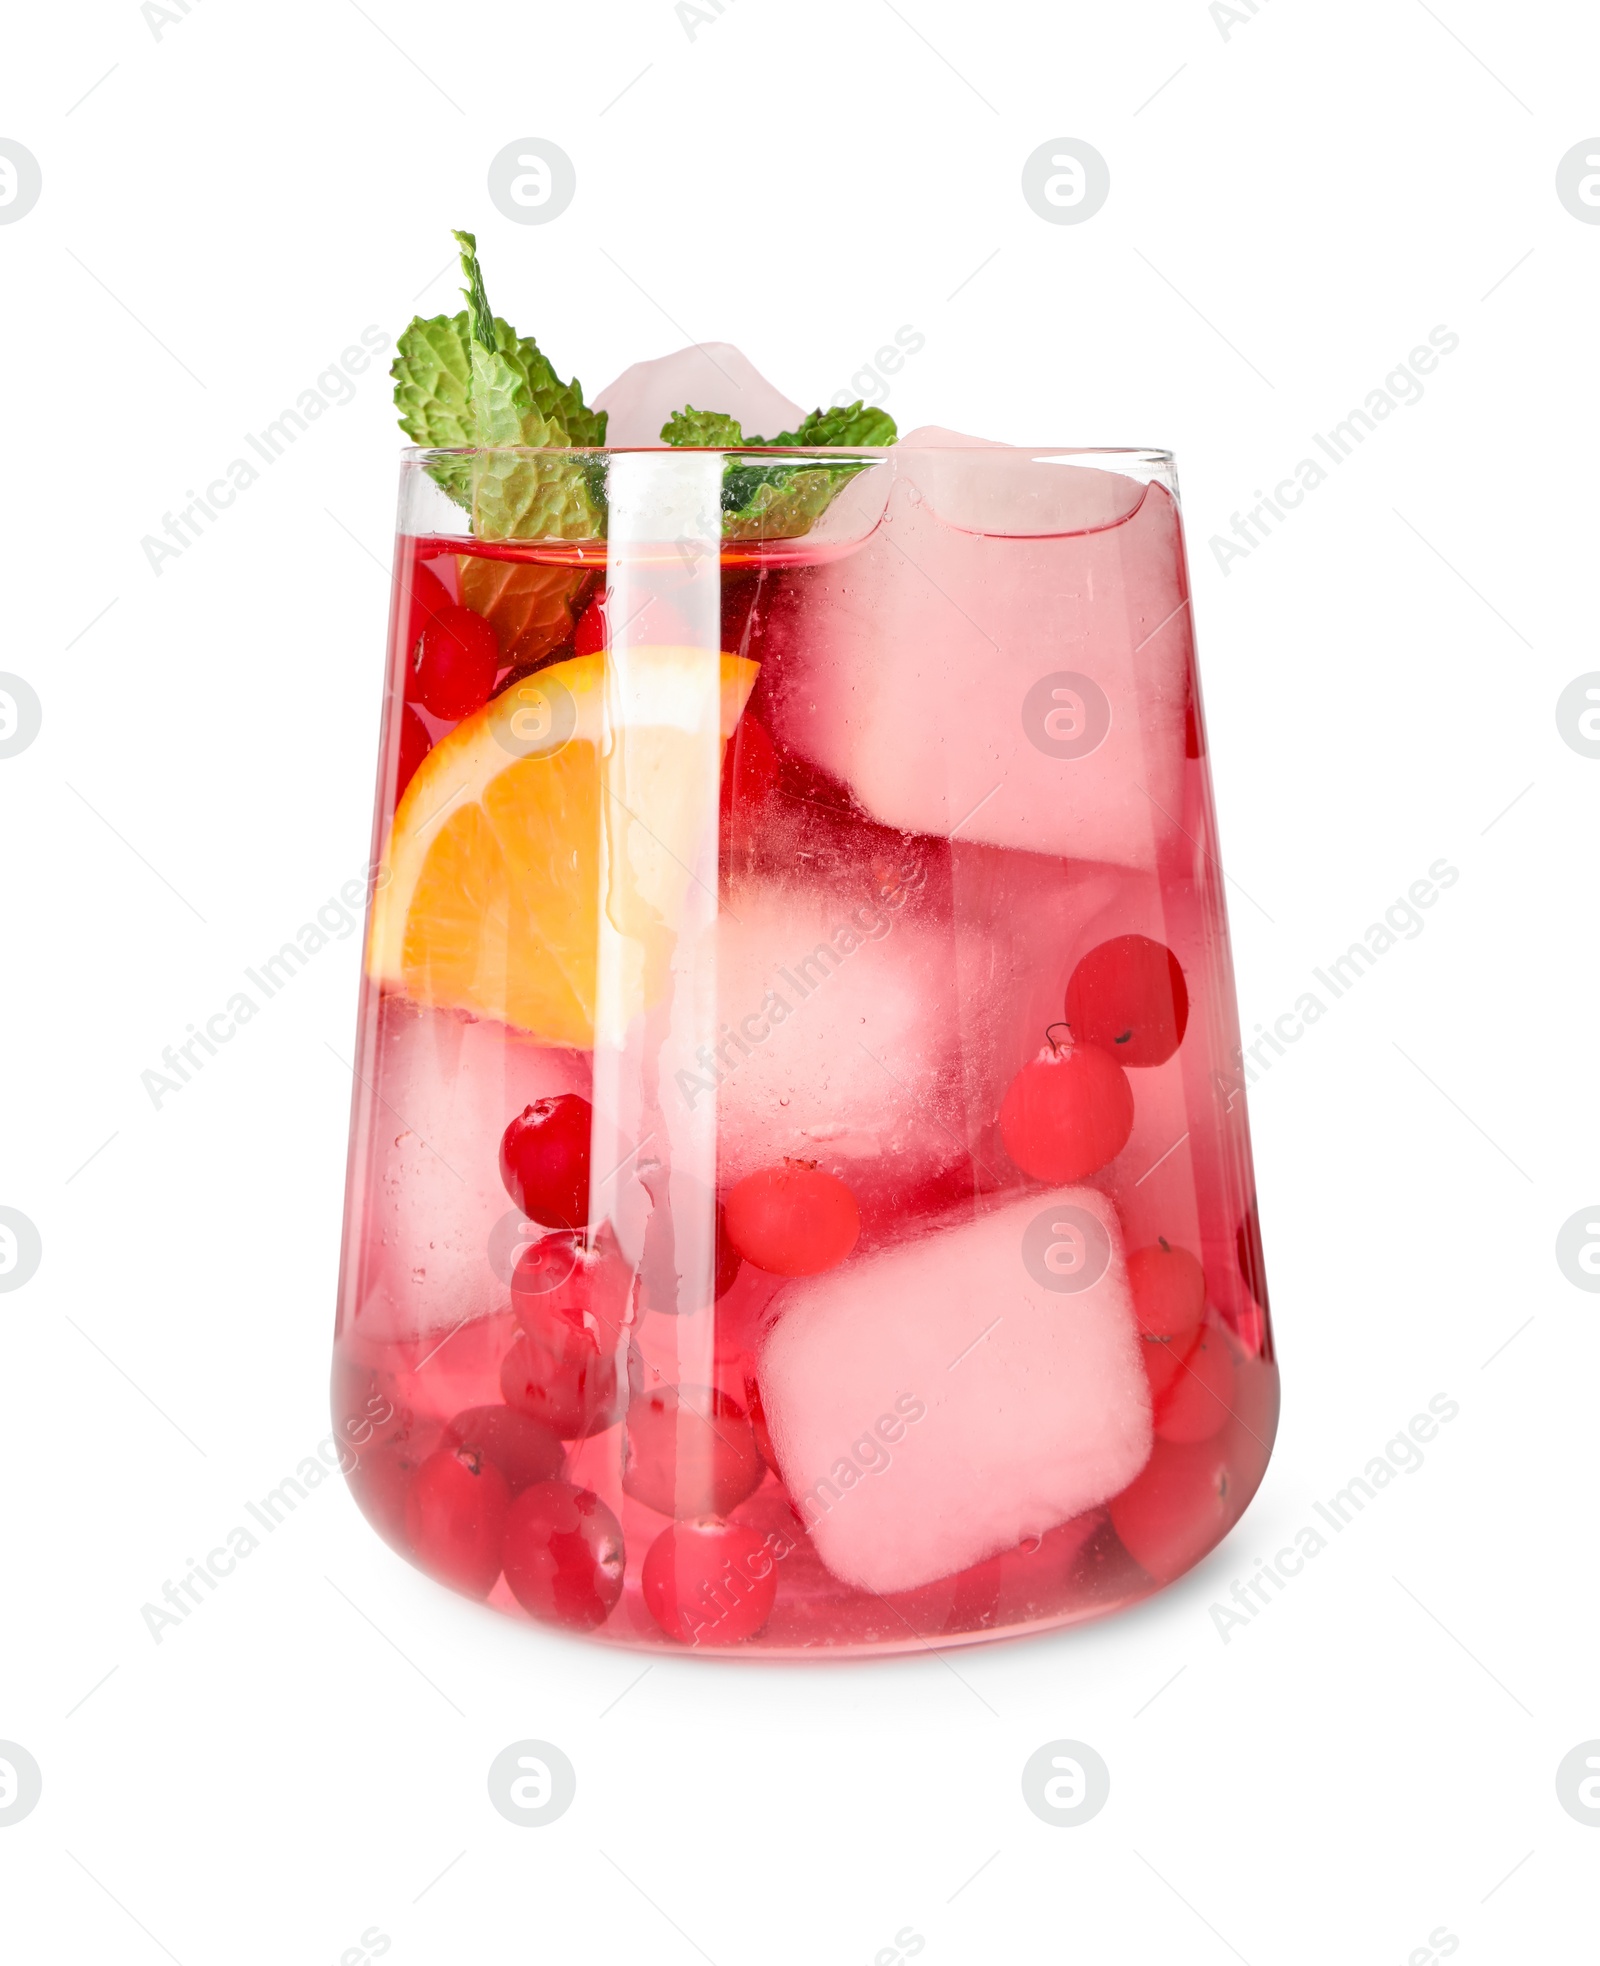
(800, 1196)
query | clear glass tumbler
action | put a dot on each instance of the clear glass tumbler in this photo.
(800, 1196)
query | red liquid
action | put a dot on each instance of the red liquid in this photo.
(637, 1440)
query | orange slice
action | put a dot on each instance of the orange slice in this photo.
(589, 785)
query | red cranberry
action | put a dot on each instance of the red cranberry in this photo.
(544, 1160)
(1128, 996)
(522, 1449)
(566, 1370)
(758, 1421)
(455, 665)
(793, 1220)
(691, 1452)
(456, 1517)
(423, 596)
(590, 635)
(1169, 1290)
(709, 1582)
(564, 1555)
(729, 1261)
(1163, 1360)
(414, 746)
(1197, 1403)
(1066, 1114)
(1181, 1505)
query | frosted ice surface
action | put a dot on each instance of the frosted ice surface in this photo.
(934, 1403)
(448, 1087)
(711, 376)
(840, 1035)
(924, 670)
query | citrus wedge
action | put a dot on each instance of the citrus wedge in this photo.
(574, 789)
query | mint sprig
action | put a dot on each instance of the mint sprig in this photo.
(781, 501)
(470, 382)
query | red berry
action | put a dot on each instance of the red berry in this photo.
(565, 1370)
(455, 665)
(758, 1420)
(729, 1261)
(1163, 1357)
(544, 1161)
(414, 746)
(456, 1517)
(423, 595)
(1197, 1404)
(1129, 997)
(1181, 1505)
(1067, 1114)
(1190, 1495)
(1169, 1291)
(589, 637)
(709, 1582)
(546, 1264)
(691, 1452)
(564, 1555)
(522, 1449)
(793, 1220)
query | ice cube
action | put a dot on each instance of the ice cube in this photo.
(940, 1401)
(933, 436)
(840, 1039)
(441, 1234)
(1025, 690)
(709, 375)
(1019, 496)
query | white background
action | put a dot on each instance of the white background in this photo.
(1373, 1757)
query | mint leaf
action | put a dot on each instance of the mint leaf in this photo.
(855, 424)
(517, 400)
(781, 501)
(432, 373)
(704, 430)
(470, 381)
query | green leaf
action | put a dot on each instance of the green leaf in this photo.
(854, 425)
(780, 501)
(470, 381)
(704, 430)
(432, 373)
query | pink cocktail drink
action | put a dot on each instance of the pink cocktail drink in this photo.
(800, 1195)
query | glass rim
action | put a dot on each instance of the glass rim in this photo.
(821, 454)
